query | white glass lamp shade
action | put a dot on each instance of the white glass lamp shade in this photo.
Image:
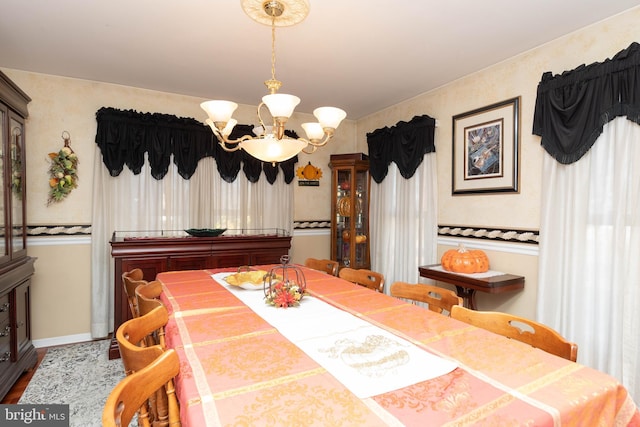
(281, 104)
(329, 117)
(219, 111)
(270, 149)
(314, 131)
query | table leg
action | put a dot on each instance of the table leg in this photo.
(468, 296)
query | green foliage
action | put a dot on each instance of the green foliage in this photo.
(63, 174)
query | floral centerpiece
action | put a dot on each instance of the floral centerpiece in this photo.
(285, 294)
(63, 173)
(284, 285)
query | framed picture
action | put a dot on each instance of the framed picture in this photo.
(485, 149)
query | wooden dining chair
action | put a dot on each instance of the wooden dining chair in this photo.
(326, 265)
(363, 277)
(438, 299)
(135, 352)
(519, 328)
(131, 338)
(132, 393)
(151, 290)
(130, 281)
(148, 296)
(147, 303)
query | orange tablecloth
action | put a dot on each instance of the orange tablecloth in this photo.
(236, 369)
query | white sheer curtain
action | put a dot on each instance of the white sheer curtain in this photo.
(404, 222)
(131, 202)
(589, 278)
(239, 204)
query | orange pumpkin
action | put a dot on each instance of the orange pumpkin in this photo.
(463, 260)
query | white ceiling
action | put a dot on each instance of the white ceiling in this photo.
(360, 55)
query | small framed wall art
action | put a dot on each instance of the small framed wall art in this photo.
(485, 149)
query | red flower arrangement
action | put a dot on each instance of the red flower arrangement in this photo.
(284, 294)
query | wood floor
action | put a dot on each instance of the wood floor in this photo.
(18, 388)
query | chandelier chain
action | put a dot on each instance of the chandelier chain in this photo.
(272, 84)
(273, 47)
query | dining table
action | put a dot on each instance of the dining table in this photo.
(349, 356)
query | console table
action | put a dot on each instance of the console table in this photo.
(467, 284)
(155, 252)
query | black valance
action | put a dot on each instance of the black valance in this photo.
(573, 107)
(125, 136)
(405, 144)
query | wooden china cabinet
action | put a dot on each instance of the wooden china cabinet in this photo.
(17, 353)
(350, 184)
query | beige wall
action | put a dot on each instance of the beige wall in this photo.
(60, 291)
(518, 76)
(316, 244)
(61, 285)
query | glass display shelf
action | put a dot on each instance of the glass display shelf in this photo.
(121, 236)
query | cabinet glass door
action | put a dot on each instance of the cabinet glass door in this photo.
(4, 249)
(16, 153)
(361, 225)
(343, 217)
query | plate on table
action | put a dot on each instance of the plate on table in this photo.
(205, 232)
(250, 280)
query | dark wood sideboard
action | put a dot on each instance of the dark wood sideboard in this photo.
(156, 254)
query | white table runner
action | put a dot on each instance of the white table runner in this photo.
(367, 359)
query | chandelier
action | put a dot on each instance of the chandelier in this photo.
(269, 142)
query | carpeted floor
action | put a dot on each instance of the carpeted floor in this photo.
(80, 375)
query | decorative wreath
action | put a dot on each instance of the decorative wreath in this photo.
(63, 171)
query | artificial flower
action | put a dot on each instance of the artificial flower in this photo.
(284, 294)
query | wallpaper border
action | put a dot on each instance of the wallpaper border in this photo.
(489, 233)
(311, 224)
(469, 232)
(59, 230)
